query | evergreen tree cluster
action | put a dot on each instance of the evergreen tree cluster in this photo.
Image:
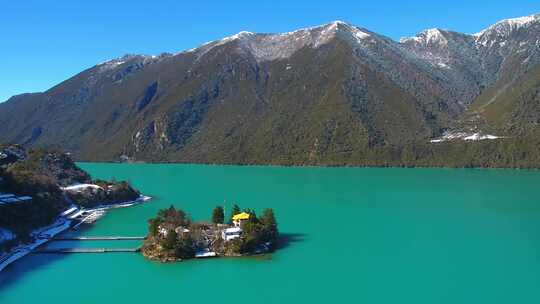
(169, 219)
(257, 232)
(181, 246)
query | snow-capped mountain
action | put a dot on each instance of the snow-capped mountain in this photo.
(310, 95)
(505, 28)
(268, 47)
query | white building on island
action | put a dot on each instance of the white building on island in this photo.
(231, 233)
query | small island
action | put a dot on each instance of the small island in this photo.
(172, 236)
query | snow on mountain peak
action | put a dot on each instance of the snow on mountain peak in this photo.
(239, 35)
(354, 32)
(431, 45)
(425, 37)
(520, 21)
(140, 59)
(504, 27)
(337, 22)
(282, 45)
(433, 34)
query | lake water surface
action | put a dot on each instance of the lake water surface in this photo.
(352, 235)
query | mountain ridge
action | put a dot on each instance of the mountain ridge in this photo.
(512, 21)
(333, 93)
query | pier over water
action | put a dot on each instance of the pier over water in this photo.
(86, 250)
(92, 250)
(100, 238)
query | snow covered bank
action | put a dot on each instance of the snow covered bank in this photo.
(80, 187)
(205, 254)
(93, 214)
(141, 199)
(44, 234)
(41, 236)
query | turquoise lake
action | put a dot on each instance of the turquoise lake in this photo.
(351, 235)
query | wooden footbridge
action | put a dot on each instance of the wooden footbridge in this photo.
(100, 238)
(93, 250)
(87, 250)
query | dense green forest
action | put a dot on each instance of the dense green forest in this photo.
(512, 152)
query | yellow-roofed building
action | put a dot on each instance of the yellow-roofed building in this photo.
(239, 218)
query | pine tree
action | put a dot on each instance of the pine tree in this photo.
(252, 215)
(173, 217)
(218, 216)
(184, 248)
(270, 225)
(170, 239)
(234, 211)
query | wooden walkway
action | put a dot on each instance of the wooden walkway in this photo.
(92, 250)
(100, 238)
(87, 250)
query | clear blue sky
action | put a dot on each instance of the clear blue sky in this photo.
(45, 42)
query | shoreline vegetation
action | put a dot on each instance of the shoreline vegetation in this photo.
(278, 165)
(520, 152)
(44, 193)
(511, 152)
(173, 236)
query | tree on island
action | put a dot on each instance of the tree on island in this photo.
(252, 216)
(218, 215)
(169, 218)
(234, 211)
(174, 217)
(269, 223)
(169, 242)
(184, 248)
(257, 233)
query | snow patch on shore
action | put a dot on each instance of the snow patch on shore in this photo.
(78, 187)
(141, 199)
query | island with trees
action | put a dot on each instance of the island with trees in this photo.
(173, 236)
